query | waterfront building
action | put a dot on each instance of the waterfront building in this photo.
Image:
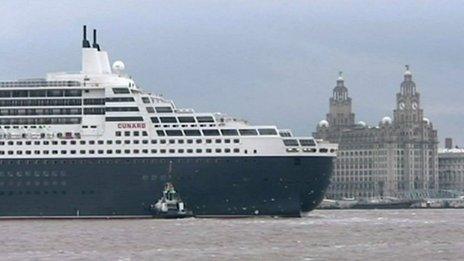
(451, 169)
(398, 157)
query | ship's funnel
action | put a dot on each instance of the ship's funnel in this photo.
(95, 45)
(85, 42)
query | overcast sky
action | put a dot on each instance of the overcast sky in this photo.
(270, 62)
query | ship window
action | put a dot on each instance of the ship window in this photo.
(180, 151)
(189, 150)
(118, 141)
(154, 119)
(208, 141)
(198, 141)
(248, 132)
(118, 134)
(118, 151)
(172, 141)
(109, 151)
(63, 142)
(209, 150)
(192, 132)
(73, 142)
(120, 90)
(127, 142)
(323, 150)
(72, 93)
(135, 141)
(186, 119)
(150, 110)
(290, 142)
(236, 141)
(91, 152)
(205, 119)
(100, 151)
(54, 142)
(218, 150)
(189, 141)
(153, 141)
(45, 152)
(120, 99)
(19, 93)
(126, 151)
(73, 152)
(124, 119)
(144, 151)
(136, 133)
(109, 142)
(267, 131)
(229, 132)
(82, 151)
(53, 93)
(144, 133)
(100, 142)
(308, 142)
(163, 141)
(172, 151)
(145, 141)
(94, 101)
(227, 150)
(145, 100)
(122, 109)
(37, 93)
(160, 133)
(227, 141)
(210, 132)
(163, 109)
(168, 119)
(198, 150)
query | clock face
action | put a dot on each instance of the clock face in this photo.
(401, 105)
(414, 105)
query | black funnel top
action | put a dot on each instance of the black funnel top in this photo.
(95, 45)
(85, 43)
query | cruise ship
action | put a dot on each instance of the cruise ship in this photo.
(94, 144)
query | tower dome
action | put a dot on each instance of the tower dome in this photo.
(323, 124)
(426, 120)
(362, 123)
(386, 120)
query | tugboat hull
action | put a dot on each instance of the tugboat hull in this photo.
(115, 187)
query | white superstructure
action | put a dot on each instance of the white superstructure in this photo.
(101, 112)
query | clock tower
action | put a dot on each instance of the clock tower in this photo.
(408, 112)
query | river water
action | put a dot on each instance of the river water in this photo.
(322, 235)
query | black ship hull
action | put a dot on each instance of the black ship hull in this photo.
(126, 187)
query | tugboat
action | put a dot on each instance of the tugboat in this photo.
(170, 205)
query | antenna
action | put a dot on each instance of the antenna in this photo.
(95, 45)
(85, 43)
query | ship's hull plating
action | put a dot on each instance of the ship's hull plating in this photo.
(121, 187)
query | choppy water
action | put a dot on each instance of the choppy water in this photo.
(323, 235)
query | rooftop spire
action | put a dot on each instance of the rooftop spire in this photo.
(407, 73)
(85, 42)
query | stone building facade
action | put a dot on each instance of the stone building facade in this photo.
(451, 169)
(397, 158)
